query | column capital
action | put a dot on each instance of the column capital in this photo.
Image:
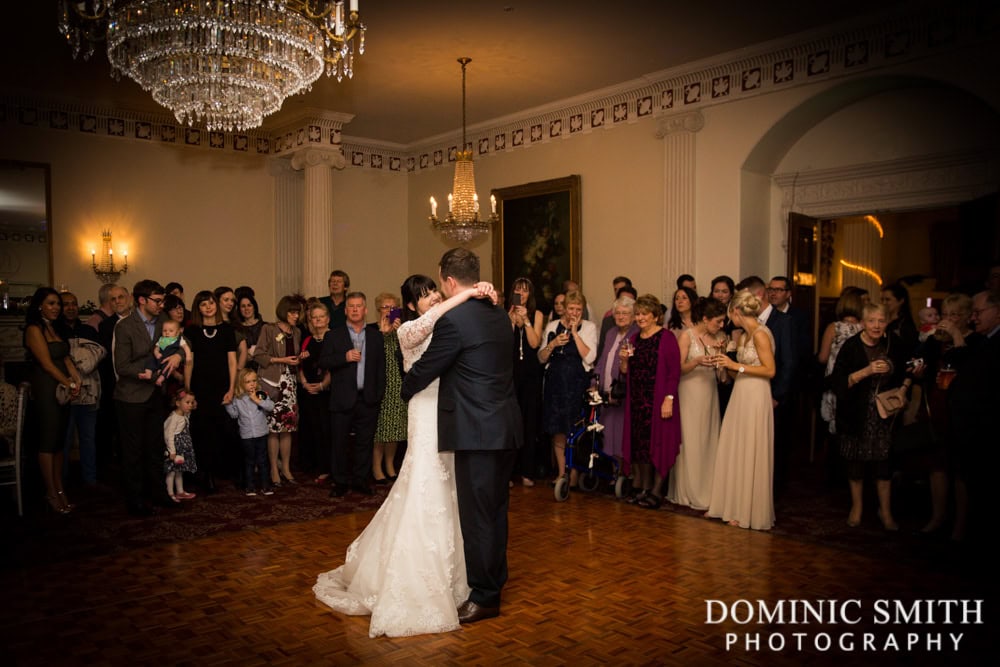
(691, 121)
(316, 156)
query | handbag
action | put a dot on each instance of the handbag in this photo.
(890, 402)
(916, 436)
(618, 390)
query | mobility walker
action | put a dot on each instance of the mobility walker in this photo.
(585, 452)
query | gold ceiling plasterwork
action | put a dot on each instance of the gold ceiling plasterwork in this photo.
(778, 65)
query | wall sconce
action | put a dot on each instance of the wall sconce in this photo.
(105, 269)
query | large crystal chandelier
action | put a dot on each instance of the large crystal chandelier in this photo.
(463, 224)
(224, 63)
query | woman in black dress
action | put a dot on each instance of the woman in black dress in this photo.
(314, 397)
(568, 355)
(213, 378)
(250, 325)
(527, 321)
(870, 362)
(51, 368)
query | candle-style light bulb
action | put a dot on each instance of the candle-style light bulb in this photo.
(449, 203)
(434, 207)
(493, 203)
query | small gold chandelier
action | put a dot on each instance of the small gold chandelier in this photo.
(105, 270)
(463, 224)
(224, 63)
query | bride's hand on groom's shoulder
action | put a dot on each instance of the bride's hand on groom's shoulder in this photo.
(485, 290)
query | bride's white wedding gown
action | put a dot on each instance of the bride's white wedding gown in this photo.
(407, 568)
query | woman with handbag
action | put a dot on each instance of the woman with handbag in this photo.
(278, 355)
(52, 369)
(869, 364)
(608, 369)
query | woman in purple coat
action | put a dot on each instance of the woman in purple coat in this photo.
(652, 434)
(608, 369)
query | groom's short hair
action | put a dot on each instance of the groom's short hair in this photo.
(460, 264)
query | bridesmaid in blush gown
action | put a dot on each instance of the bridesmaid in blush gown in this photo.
(744, 466)
(691, 477)
(407, 568)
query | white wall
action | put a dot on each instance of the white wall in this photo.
(200, 217)
(621, 174)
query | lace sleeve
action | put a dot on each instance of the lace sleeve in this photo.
(411, 334)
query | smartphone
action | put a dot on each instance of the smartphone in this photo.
(395, 314)
(515, 299)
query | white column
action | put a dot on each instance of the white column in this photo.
(288, 207)
(316, 243)
(678, 134)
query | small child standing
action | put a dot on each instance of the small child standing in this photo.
(180, 451)
(249, 408)
(169, 344)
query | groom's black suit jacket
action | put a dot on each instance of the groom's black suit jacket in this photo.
(471, 352)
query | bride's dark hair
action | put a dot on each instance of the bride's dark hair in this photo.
(412, 289)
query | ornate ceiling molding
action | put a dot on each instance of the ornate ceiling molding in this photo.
(837, 51)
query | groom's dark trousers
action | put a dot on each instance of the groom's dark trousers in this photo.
(478, 419)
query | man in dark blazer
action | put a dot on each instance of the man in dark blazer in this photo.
(354, 353)
(478, 419)
(137, 402)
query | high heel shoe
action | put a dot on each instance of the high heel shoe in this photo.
(64, 501)
(288, 479)
(57, 506)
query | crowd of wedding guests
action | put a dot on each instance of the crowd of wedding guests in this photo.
(707, 397)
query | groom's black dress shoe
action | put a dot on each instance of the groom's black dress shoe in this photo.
(338, 491)
(470, 612)
(363, 489)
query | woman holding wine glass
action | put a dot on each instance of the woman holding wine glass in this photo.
(691, 477)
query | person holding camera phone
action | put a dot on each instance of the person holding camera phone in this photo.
(391, 427)
(527, 322)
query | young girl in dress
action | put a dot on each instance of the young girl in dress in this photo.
(250, 408)
(180, 451)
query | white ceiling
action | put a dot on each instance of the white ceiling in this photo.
(407, 86)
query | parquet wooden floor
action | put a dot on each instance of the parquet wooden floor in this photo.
(593, 582)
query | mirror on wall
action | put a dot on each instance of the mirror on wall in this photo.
(25, 230)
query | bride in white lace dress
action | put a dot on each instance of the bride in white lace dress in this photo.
(407, 568)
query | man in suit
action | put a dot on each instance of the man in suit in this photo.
(137, 401)
(354, 353)
(785, 361)
(478, 419)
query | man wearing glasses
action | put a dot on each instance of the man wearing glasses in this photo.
(137, 401)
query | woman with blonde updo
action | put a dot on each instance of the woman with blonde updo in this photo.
(744, 465)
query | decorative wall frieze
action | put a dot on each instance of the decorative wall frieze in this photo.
(908, 183)
(668, 96)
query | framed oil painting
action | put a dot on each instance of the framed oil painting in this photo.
(538, 236)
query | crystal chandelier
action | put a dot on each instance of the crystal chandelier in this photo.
(224, 63)
(463, 224)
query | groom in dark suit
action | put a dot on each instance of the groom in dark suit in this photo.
(478, 419)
